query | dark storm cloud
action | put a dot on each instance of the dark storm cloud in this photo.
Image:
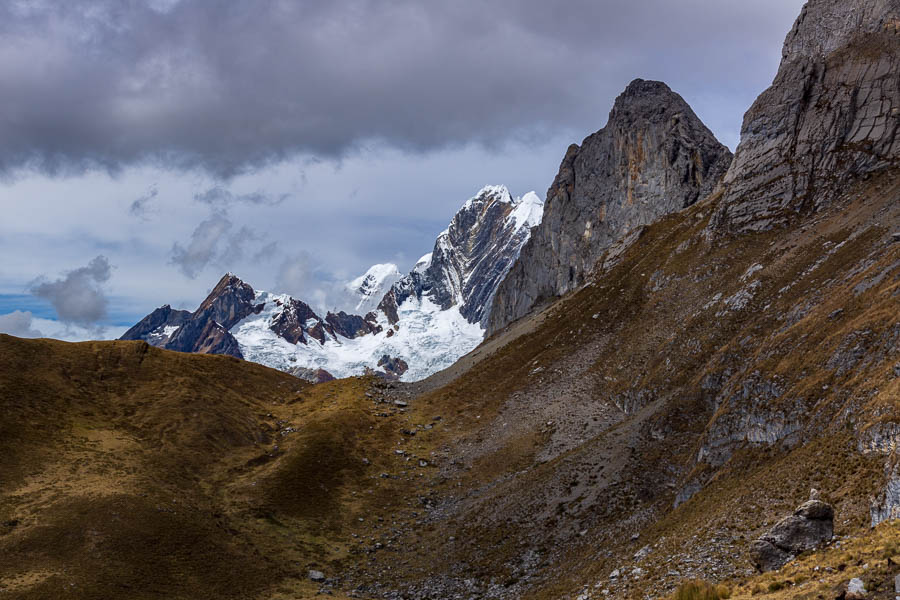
(78, 296)
(229, 86)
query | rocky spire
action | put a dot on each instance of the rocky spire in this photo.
(830, 117)
(653, 157)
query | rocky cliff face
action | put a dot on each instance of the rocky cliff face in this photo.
(207, 329)
(472, 256)
(654, 157)
(830, 118)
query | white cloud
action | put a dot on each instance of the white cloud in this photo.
(19, 324)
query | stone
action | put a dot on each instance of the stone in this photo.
(856, 589)
(815, 509)
(653, 158)
(796, 533)
(811, 525)
(317, 576)
(642, 553)
(766, 556)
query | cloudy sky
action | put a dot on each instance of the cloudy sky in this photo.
(149, 146)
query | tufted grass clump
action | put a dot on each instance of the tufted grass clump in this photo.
(701, 590)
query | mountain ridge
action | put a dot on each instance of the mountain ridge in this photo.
(424, 321)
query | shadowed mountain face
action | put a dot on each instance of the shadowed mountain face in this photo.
(157, 327)
(654, 157)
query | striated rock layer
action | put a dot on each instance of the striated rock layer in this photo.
(472, 256)
(830, 117)
(654, 157)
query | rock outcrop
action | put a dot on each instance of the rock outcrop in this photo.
(811, 525)
(311, 375)
(393, 367)
(654, 157)
(157, 327)
(292, 323)
(352, 326)
(830, 117)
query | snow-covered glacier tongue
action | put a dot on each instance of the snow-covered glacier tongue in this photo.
(412, 325)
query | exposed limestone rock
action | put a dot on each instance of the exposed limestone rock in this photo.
(831, 116)
(856, 589)
(654, 157)
(887, 506)
(749, 416)
(811, 525)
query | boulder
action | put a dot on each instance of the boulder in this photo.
(766, 556)
(811, 525)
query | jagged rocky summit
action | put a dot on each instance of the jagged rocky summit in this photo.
(420, 323)
(830, 117)
(654, 157)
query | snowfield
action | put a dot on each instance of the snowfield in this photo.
(427, 338)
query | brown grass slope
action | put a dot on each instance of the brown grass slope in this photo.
(129, 471)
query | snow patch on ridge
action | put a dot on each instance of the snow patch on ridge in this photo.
(368, 289)
(528, 212)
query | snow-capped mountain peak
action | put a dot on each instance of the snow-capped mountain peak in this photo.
(412, 326)
(475, 252)
(368, 289)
